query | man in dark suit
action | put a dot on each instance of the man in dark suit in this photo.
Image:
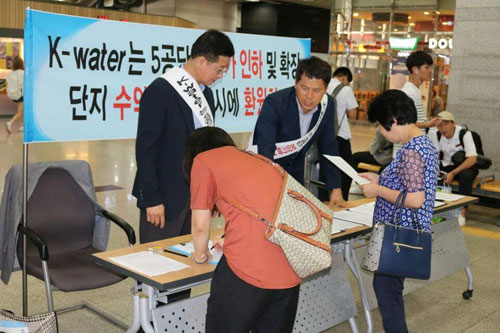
(166, 119)
(296, 113)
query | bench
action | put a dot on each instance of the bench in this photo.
(369, 167)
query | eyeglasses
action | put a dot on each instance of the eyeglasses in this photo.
(220, 72)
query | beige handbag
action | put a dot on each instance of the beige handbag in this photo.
(301, 225)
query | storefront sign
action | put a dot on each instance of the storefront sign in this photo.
(403, 43)
(442, 43)
(85, 77)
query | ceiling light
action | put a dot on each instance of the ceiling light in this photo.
(409, 17)
(438, 12)
(412, 24)
(355, 14)
(396, 30)
(379, 27)
(426, 13)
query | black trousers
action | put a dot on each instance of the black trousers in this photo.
(235, 306)
(346, 153)
(177, 227)
(464, 178)
(389, 292)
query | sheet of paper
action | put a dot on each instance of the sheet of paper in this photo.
(188, 247)
(448, 196)
(347, 169)
(336, 231)
(343, 225)
(439, 204)
(366, 209)
(355, 217)
(149, 263)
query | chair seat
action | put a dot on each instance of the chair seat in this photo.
(67, 269)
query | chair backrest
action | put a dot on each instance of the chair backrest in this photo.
(61, 213)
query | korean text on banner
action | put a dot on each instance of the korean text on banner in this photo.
(85, 77)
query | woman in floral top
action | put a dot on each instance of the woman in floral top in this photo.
(414, 170)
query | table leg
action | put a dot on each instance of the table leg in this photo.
(350, 260)
(136, 322)
(145, 313)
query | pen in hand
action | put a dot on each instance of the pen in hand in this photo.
(213, 246)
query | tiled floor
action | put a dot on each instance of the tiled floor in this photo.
(438, 307)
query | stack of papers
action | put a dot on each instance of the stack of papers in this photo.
(448, 196)
(188, 248)
(354, 217)
(149, 263)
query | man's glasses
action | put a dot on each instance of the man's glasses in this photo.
(220, 72)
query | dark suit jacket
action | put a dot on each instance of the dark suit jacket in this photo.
(165, 123)
(279, 122)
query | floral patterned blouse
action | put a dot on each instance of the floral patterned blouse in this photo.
(415, 168)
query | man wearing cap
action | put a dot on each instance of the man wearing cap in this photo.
(447, 141)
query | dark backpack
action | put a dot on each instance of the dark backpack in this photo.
(482, 162)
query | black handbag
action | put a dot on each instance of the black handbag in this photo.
(399, 251)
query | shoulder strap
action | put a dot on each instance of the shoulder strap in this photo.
(461, 135)
(337, 89)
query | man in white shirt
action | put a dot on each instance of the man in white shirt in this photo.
(448, 143)
(346, 104)
(419, 65)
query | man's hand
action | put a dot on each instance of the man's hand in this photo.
(448, 179)
(156, 215)
(370, 190)
(337, 200)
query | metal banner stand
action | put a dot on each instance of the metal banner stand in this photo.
(25, 220)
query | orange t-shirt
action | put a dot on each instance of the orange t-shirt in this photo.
(243, 178)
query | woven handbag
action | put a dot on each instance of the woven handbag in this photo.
(301, 225)
(399, 251)
(42, 323)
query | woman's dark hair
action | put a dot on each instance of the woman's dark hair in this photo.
(212, 44)
(203, 139)
(392, 105)
(18, 63)
(417, 59)
(314, 68)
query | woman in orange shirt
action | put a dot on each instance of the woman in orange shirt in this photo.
(253, 287)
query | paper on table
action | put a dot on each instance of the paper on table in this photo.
(349, 216)
(149, 263)
(188, 247)
(366, 209)
(448, 196)
(438, 204)
(347, 169)
(343, 225)
(336, 231)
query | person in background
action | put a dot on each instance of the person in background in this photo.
(253, 288)
(419, 65)
(302, 115)
(437, 104)
(380, 153)
(15, 82)
(346, 108)
(414, 170)
(447, 141)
